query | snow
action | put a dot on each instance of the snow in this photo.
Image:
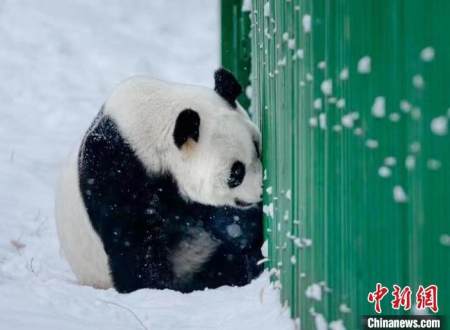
(314, 291)
(427, 54)
(265, 249)
(364, 65)
(288, 194)
(340, 104)
(234, 230)
(313, 121)
(323, 120)
(371, 144)
(405, 106)
(343, 75)
(291, 43)
(439, 125)
(384, 172)
(317, 104)
(321, 322)
(390, 161)
(322, 65)
(267, 9)
(246, 5)
(337, 128)
(399, 194)
(445, 239)
(433, 164)
(394, 117)
(337, 325)
(418, 81)
(410, 162)
(349, 119)
(326, 87)
(61, 60)
(343, 308)
(306, 22)
(268, 210)
(379, 107)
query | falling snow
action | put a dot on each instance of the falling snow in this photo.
(405, 106)
(317, 104)
(313, 121)
(384, 172)
(399, 194)
(340, 104)
(323, 120)
(344, 74)
(265, 249)
(439, 125)
(445, 239)
(337, 128)
(321, 322)
(337, 325)
(314, 291)
(414, 147)
(268, 210)
(433, 164)
(288, 194)
(390, 161)
(379, 107)
(326, 87)
(418, 81)
(394, 117)
(410, 162)
(343, 308)
(291, 43)
(267, 9)
(246, 5)
(372, 144)
(427, 54)
(306, 21)
(364, 65)
(348, 120)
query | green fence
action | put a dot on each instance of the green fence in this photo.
(352, 98)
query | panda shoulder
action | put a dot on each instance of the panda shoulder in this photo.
(135, 91)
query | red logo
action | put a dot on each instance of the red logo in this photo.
(377, 296)
(425, 297)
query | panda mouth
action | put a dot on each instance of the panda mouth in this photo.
(241, 203)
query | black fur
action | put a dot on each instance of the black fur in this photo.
(141, 218)
(186, 127)
(227, 86)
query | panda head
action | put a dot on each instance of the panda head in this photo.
(218, 157)
(197, 135)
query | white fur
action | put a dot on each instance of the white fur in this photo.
(192, 253)
(79, 242)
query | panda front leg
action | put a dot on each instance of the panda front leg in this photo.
(139, 260)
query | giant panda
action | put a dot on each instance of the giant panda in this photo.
(164, 190)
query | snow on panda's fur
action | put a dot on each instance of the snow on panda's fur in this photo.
(164, 191)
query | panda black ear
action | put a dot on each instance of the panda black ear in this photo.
(187, 126)
(227, 86)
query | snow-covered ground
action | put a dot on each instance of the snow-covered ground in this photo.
(58, 61)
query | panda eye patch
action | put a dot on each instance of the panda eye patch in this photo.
(237, 174)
